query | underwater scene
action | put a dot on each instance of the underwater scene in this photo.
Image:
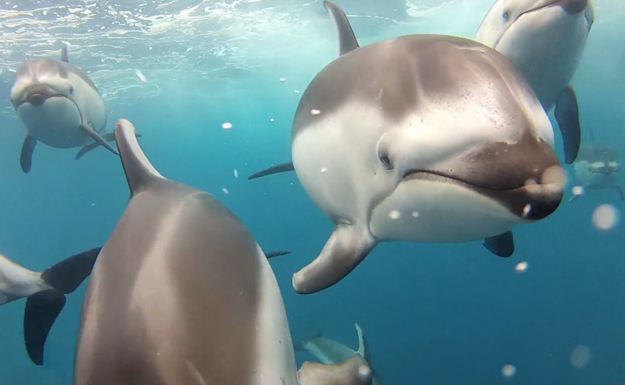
(310, 192)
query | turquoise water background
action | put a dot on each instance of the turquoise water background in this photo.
(433, 314)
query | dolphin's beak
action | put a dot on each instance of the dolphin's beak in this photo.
(573, 7)
(37, 95)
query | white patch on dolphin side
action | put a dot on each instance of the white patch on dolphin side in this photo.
(275, 358)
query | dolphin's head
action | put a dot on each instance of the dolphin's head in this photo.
(473, 159)
(50, 98)
(554, 19)
(40, 81)
(597, 166)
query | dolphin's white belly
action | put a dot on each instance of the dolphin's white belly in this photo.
(434, 211)
(331, 161)
(547, 64)
(55, 123)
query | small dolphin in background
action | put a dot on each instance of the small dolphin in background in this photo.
(597, 167)
(183, 295)
(331, 352)
(545, 40)
(421, 138)
(45, 292)
(59, 106)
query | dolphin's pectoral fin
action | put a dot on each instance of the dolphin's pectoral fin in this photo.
(26, 156)
(353, 371)
(100, 140)
(567, 115)
(41, 311)
(284, 167)
(619, 190)
(501, 245)
(347, 247)
(347, 38)
(110, 137)
(64, 56)
(273, 254)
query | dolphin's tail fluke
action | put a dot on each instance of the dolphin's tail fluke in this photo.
(43, 307)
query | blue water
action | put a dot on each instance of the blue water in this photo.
(433, 314)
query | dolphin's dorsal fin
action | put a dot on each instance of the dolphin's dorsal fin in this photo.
(64, 56)
(363, 346)
(140, 173)
(347, 38)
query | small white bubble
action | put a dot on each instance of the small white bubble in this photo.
(140, 76)
(227, 126)
(314, 111)
(323, 169)
(508, 371)
(521, 267)
(526, 210)
(578, 190)
(415, 214)
(580, 356)
(271, 119)
(364, 371)
(236, 173)
(296, 91)
(394, 214)
(605, 217)
(93, 204)
(225, 190)
(282, 79)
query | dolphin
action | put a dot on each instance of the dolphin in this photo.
(182, 294)
(331, 352)
(545, 40)
(60, 106)
(597, 167)
(45, 294)
(421, 138)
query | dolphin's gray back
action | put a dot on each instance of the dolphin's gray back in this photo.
(174, 295)
(406, 75)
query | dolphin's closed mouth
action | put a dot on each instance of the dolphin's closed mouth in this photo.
(440, 176)
(37, 99)
(523, 200)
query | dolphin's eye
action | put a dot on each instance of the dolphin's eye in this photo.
(71, 90)
(505, 15)
(386, 161)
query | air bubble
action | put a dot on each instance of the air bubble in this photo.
(605, 217)
(508, 371)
